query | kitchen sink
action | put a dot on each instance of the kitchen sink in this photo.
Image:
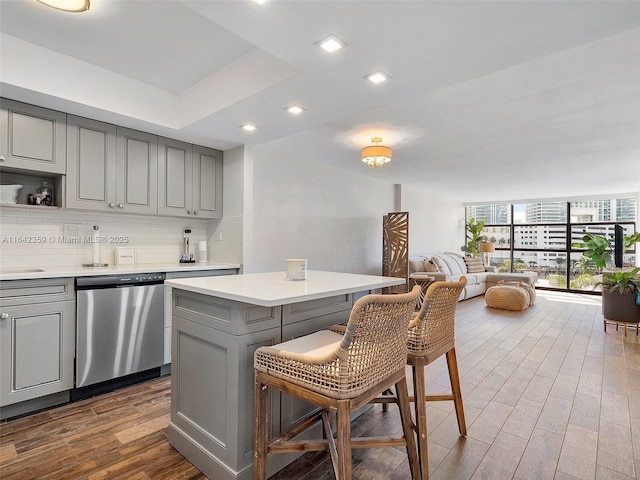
(20, 270)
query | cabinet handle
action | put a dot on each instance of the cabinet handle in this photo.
(4, 316)
(112, 205)
(188, 212)
(2, 159)
(120, 205)
(195, 212)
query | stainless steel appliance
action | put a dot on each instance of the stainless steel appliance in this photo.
(120, 326)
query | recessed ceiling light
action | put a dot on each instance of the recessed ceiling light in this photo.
(331, 44)
(68, 5)
(295, 109)
(247, 127)
(377, 77)
(259, 2)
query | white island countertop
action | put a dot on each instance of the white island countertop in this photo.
(271, 289)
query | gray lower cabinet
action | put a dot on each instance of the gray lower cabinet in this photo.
(32, 138)
(189, 180)
(213, 341)
(111, 168)
(168, 299)
(37, 342)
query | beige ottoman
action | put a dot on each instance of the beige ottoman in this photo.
(531, 290)
(507, 297)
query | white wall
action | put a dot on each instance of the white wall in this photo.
(274, 208)
(436, 224)
(308, 210)
(225, 237)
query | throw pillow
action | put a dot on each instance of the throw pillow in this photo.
(438, 263)
(429, 266)
(474, 264)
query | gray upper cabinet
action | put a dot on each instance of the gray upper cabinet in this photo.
(110, 168)
(137, 172)
(189, 180)
(91, 164)
(175, 174)
(207, 182)
(32, 138)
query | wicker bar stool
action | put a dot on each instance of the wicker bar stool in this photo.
(431, 334)
(339, 373)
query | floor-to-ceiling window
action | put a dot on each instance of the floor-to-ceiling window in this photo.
(541, 237)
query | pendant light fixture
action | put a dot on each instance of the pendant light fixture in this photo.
(67, 5)
(376, 155)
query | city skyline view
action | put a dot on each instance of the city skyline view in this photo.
(542, 235)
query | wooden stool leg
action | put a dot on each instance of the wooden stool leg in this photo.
(454, 377)
(407, 428)
(261, 437)
(421, 414)
(385, 405)
(343, 440)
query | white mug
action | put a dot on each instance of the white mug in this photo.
(296, 268)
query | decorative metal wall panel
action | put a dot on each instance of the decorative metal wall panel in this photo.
(395, 249)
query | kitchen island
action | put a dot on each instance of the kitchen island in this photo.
(217, 324)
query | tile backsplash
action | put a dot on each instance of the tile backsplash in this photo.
(30, 237)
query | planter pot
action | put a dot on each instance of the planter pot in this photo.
(620, 307)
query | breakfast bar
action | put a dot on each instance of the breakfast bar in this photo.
(217, 324)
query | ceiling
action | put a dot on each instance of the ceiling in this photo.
(487, 101)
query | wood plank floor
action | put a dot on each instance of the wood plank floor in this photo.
(547, 395)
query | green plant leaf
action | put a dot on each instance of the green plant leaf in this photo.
(631, 239)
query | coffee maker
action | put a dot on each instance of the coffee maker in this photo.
(187, 256)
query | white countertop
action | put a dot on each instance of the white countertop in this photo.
(79, 271)
(272, 289)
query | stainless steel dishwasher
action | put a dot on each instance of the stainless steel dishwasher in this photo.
(119, 326)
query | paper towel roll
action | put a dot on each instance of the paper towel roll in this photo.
(95, 245)
(202, 251)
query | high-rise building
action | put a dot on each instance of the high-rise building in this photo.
(542, 227)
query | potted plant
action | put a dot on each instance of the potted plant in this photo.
(474, 237)
(619, 290)
(598, 248)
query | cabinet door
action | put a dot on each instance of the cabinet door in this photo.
(175, 178)
(32, 138)
(207, 182)
(91, 164)
(37, 350)
(137, 172)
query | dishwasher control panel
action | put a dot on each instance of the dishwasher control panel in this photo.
(107, 281)
(149, 277)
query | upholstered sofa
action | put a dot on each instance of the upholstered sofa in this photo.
(451, 266)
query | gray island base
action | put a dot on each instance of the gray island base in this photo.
(217, 324)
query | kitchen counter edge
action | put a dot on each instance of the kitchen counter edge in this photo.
(269, 289)
(28, 273)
